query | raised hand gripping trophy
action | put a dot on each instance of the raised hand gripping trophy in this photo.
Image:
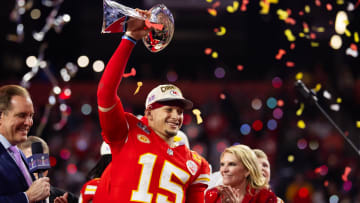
(160, 20)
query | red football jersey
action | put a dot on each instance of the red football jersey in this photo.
(146, 169)
(88, 190)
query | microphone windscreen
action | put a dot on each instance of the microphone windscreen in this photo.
(36, 148)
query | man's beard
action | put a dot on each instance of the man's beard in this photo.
(170, 134)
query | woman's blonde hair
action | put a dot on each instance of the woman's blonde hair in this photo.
(243, 153)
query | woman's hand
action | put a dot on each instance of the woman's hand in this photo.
(228, 194)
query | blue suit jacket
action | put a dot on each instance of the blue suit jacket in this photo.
(12, 181)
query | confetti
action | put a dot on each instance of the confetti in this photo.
(289, 35)
(233, 8)
(215, 55)
(327, 95)
(197, 113)
(292, 46)
(212, 11)
(221, 31)
(139, 84)
(356, 37)
(358, 124)
(222, 96)
(299, 76)
(300, 110)
(132, 73)
(307, 9)
(318, 3)
(338, 100)
(347, 171)
(290, 64)
(244, 5)
(301, 124)
(335, 107)
(208, 51)
(240, 67)
(317, 87)
(328, 7)
(280, 54)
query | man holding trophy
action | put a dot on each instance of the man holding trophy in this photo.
(148, 165)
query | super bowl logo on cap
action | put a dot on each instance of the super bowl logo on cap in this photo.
(166, 88)
(152, 97)
(192, 167)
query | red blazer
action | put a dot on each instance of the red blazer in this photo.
(256, 196)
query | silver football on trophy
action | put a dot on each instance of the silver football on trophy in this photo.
(162, 23)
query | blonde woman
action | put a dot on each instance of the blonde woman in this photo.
(242, 179)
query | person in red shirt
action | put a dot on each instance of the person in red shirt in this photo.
(88, 190)
(147, 165)
(242, 179)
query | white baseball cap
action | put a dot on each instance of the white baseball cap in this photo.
(167, 92)
(105, 149)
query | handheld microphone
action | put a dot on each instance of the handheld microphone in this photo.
(38, 162)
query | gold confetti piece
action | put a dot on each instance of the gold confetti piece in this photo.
(300, 111)
(301, 34)
(177, 138)
(339, 100)
(289, 35)
(282, 14)
(347, 33)
(215, 55)
(265, 7)
(197, 113)
(307, 9)
(209, 1)
(314, 44)
(273, 1)
(301, 124)
(356, 37)
(222, 31)
(139, 84)
(233, 8)
(291, 158)
(299, 76)
(340, 2)
(358, 124)
(212, 11)
(317, 87)
(320, 29)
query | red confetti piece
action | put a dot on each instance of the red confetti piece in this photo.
(222, 96)
(153, 25)
(326, 183)
(292, 46)
(208, 51)
(317, 2)
(344, 177)
(132, 73)
(328, 7)
(301, 13)
(212, 11)
(244, 5)
(280, 54)
(240, 67)
(353, 46)
(290, 21)
(216, 30)
(257, 125)
(312, 36)
(216, 4)
(280, 102)
(290, 64)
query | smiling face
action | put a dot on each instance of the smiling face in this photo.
(166, 121)
(265, 168)
(232, 170)
(16, 122)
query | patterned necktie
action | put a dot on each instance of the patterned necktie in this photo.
(21, 164)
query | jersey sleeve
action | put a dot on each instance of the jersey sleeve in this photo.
(111, 112)
(88, 190)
